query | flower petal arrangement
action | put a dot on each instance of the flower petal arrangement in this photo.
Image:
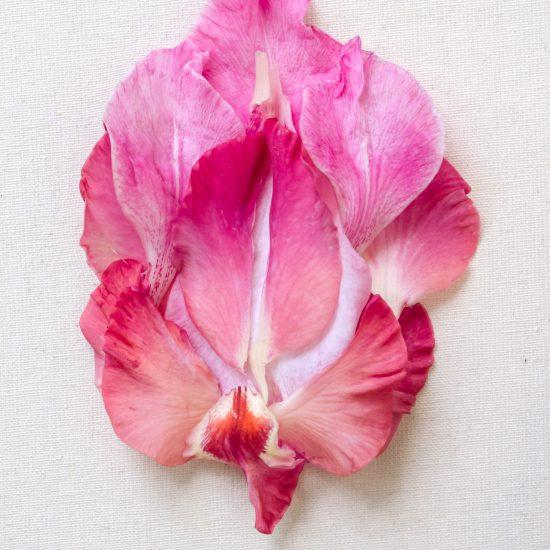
(266, 211)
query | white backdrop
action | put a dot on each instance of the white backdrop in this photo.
(466, 471)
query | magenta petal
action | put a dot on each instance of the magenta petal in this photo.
(375, 133)
(270, 491)
(429, 245)
(116, 279)
(155, 388)
(215, 242)
(341, 418)
(161, 119)
(232, 31)
(108, 235)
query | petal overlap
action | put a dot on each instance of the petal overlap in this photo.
(234, 30)
(241, 430)
(108, 235)
(265, 212)
(304, 267)
(155, 387)
(251, 319)
(374, 131)
(115, 280)
(418, 334)
(161, 119)
(341, 418)
(429, 245)
(215, 242)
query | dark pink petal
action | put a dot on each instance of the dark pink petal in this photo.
(270, 490)
(108, 235)
(375, 133)
(419, 337)
(417, 331)
(161, 120)
(156, 389)
(116, 279)
(215, 242)
(232, 31)
(429, 245)
(305, 268)
(341, 418)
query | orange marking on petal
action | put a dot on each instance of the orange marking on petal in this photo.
(240, 434)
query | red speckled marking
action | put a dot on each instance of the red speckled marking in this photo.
(240, 435)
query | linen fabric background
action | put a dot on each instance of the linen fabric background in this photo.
(466, 470)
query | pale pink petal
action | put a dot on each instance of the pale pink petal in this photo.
(232, 31)
(417, 331)
(117, 278)
(305, 268)
(176, 311)
(375, 133)
(290, 373)
(161, 119)
(156, 389)
(268, 93)
(215, 242)
(341, 418)
(429, 245)
(108, 235)
(270, 490)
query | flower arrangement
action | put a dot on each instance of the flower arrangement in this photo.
(266, 210)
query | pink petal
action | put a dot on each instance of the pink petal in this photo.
(116, 279)
(375, 133)
(108, 235)
(232, 31)
(417, 331)
(270, 490)
(290, 373)
(419, 337)
(305, 269)
(261, 260)
(341, 419)
(215, 241)
(429, 245)
(155, 388)
(176, 311)
(162, 118)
